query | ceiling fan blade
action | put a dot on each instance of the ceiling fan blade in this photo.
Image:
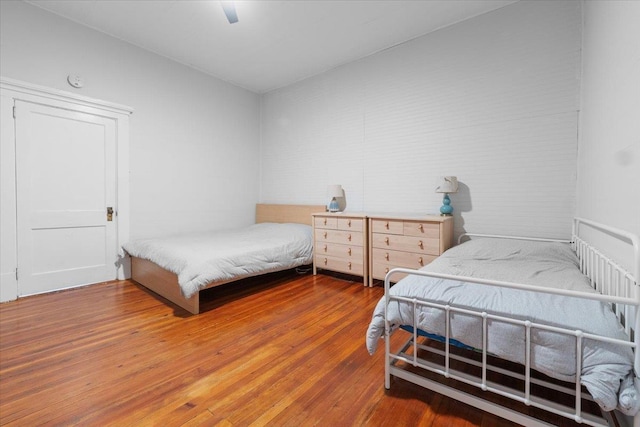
(229, 8)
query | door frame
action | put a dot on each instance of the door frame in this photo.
(19, 90)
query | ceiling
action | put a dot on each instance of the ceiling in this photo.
(275, 43)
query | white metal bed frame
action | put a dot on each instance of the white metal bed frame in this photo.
(614, 285)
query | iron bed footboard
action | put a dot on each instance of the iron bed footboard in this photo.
(614, 285)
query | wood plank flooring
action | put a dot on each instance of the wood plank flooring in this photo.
(282, 349)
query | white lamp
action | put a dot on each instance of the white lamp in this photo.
(337, 201)
(448, 184)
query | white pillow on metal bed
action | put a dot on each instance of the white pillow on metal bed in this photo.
(546, 264)
(503, 249)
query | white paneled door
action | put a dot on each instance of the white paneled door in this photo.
(66, 183)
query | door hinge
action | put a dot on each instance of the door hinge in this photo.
(16, 274)
(14, 111)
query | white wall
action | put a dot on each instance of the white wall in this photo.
(194, 138)
(492, 100)
(609, 153)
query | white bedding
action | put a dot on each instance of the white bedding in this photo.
(201, 258)
(605, 366)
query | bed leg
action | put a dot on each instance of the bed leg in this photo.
(387, 359)
(387, 377)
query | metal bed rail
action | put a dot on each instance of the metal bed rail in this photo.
(610, 278)
(525, 396)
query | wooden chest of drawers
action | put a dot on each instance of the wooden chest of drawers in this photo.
(340, 243)
(405, 241)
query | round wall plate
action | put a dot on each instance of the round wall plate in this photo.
(75, 80)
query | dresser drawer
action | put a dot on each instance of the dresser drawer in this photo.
(338, 264)
(401, 259)
(422, 229)
(387, 226)
(424, 245)
(379, 271)
(325, 222)
(342, 237)
(340, 251)
(351, 224)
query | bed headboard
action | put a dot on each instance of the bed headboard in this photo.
(300, 214)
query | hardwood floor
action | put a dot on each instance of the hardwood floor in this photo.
(282, 349)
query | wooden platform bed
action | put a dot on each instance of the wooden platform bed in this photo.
(165, 283)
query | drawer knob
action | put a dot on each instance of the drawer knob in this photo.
(349, 222)
(386, 225)
(386, 240)
(420, 244)
(325, 248)
(420, 227)
(325, 261)
(349, 237)
(386, 256)
(386, 270)
(325, 234)
(325, 221)
(349, 266)
(349, 251)
(420, 261)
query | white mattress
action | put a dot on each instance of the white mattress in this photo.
(201, 258)
(605, 366)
